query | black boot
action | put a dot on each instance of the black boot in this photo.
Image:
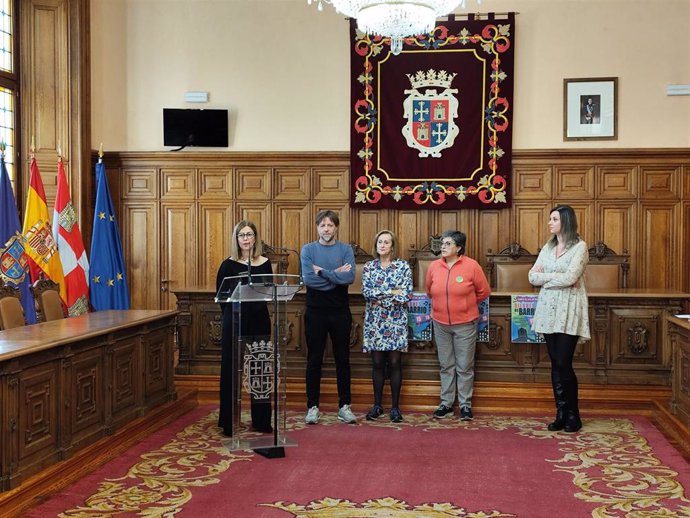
(559, 396)
(572, 415)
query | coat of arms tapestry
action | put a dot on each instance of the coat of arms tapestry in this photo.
(432, 126)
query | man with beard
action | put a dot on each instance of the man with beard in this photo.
(328, 266)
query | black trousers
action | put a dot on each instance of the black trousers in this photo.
(561, 348)
(320, 324)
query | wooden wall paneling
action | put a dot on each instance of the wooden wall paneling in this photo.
(493, 233)
(346, 233)
(584, 212)
(529, 224)
(215, 184)
(660, 182)
(253, 183)
(615, 226)
(295, 227)
(140, 184)
(125, 388)
(261, 213)
(685, 249)
(215, 229)
(368, 223)
(45, 86)
(141, 242)
(573, 182)
(463, 220)
(532, 182)
(412, 227)
(292, 184)
(658, 254)
(178, 184)
(330, 183)
(178, 249)
(616, 181)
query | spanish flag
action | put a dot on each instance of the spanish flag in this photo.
(39, 243)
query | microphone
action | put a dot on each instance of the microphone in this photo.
(249, 270)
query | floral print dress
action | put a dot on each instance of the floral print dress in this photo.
(385, 314)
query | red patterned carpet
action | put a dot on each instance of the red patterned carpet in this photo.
(495, 466)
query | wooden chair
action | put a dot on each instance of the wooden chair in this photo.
(48, 303)
(508, 269)
(11, 310)
(361, 257)
(606, 270)
(280, 258)
(421, 258)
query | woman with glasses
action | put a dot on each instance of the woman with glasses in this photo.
(386, 287)
(456, 284)
(562, 313)
(245, 253)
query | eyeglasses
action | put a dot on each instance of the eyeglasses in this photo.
(447, 243)
(248, 235)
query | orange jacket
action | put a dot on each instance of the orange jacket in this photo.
(455, 292)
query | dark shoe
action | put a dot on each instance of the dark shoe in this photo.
(396, 416)
(375, 412)
(466, 414)
(559, 422)
(572, 422)
(442, 412)
(263, 429)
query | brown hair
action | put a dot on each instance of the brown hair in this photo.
(394, 243)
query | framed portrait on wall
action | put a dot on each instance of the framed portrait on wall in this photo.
(590, 108)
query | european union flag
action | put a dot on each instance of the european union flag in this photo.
(107, 279)
(13, 260)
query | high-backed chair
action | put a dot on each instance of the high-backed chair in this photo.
(11, 310)
(279, 258)
(421, 258)
(48, 303)
(606, 269)
(508, 269)
(361, 257)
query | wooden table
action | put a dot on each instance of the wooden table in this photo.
(66, 383)
(629, 340)
(679, 334)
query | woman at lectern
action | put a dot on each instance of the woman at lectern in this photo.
(562, 313)
(245, 260)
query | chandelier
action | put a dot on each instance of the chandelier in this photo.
(394, 19)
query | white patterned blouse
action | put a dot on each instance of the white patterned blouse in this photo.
(562, 306)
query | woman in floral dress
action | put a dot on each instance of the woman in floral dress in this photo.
(386, 286)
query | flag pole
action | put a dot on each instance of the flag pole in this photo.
(100, 153)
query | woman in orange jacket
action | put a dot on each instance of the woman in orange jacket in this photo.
(456, 284)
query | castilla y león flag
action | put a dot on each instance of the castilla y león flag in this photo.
(75, 264)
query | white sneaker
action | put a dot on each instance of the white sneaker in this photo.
(346, 416)
(313, 415)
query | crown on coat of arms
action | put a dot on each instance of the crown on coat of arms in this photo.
(431, 78)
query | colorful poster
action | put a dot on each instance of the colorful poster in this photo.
(419, 318)
(483, 325)
(521, 316)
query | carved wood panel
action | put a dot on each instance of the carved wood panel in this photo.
(295, 226)
(179, 240)
(253, 183)
(139, 183)
(215, 228)
(616, 182)
(215, 184)
(330, 183)
(660, 182)
(573, 182)
(659, 243)
(261, 213)
(529, 224)
(39, 400)
(531, 182)
(178, 184)
(141, 243)
(87, 393)
(292, 184)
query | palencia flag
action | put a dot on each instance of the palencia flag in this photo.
(39, 242)
(14, 263)
(108, 286)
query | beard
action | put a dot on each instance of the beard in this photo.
(327, 238)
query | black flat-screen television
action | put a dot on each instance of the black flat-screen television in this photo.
(187, 127)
